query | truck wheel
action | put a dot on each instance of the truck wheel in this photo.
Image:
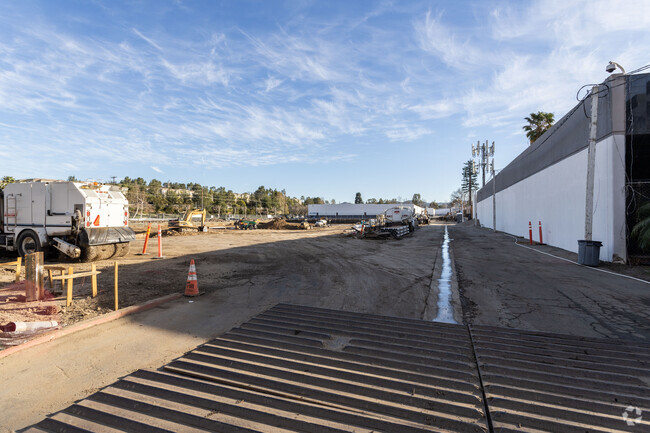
(122, 249)
(89, 253)
(28, 243)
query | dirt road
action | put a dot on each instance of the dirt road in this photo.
(390, 276)
(503, 284)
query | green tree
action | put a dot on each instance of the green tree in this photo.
(73, 179)
(173, 200)
(640, 234)
(538, 124)
(417, 199)
(469, 182)
(358, 199)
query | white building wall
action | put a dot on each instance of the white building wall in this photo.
(556, 197)
(344, 209)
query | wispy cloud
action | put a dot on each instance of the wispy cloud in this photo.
(301, 85)
(271, 83)
(147, 40)
(453, 48)
(156, 169)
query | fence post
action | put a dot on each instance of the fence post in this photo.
(116, 303)
(34, 290)
(18, 268)
(93, 279)
(68, 296)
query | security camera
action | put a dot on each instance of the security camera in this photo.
(611, 67)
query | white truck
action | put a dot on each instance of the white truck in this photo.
(82, 220)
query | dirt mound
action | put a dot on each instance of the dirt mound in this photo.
(278, 224)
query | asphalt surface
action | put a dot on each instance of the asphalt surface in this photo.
(504, 284)
(500, 284)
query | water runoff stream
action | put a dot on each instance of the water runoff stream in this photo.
(445, 312)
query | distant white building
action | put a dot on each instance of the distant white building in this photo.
(358, 211)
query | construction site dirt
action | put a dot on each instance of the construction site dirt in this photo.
(279, 261)
(244, 272)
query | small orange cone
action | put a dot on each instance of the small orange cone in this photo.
(192, 287)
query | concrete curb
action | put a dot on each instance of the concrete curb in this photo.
(109, 317)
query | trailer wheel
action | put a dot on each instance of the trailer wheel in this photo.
(28, 243)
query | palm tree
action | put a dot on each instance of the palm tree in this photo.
(538, 124)
(640, 234)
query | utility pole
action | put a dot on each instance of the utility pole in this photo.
(494, 197)
(483, 151)
(113, 177)
(591, 163)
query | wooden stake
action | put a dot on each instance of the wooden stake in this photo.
(49, 277)
(18, 269)
(34, 290)
(116, 302)
(68, 298)
(93, 279)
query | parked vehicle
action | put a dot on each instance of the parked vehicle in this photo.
(401, 215)
(87, 220)
(243, 224)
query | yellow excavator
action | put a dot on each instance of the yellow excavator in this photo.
(193, 219)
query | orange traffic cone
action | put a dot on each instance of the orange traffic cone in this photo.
(192, 287)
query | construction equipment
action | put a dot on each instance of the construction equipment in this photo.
(401, 215)
(396, 222)
(304, 225)
(87, 220)
(192, 220)
(243, 224)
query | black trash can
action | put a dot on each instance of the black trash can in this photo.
(589, 253)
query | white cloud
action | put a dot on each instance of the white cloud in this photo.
(554, 48)
(147, 40)
(271, 83)
(437, 38)
(407, 133)
(435, 110)
(202, 73)
(156, 169)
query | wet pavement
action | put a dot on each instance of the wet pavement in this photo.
(445, 310)
(503, 284)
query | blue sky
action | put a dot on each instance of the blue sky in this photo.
(322, 98)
